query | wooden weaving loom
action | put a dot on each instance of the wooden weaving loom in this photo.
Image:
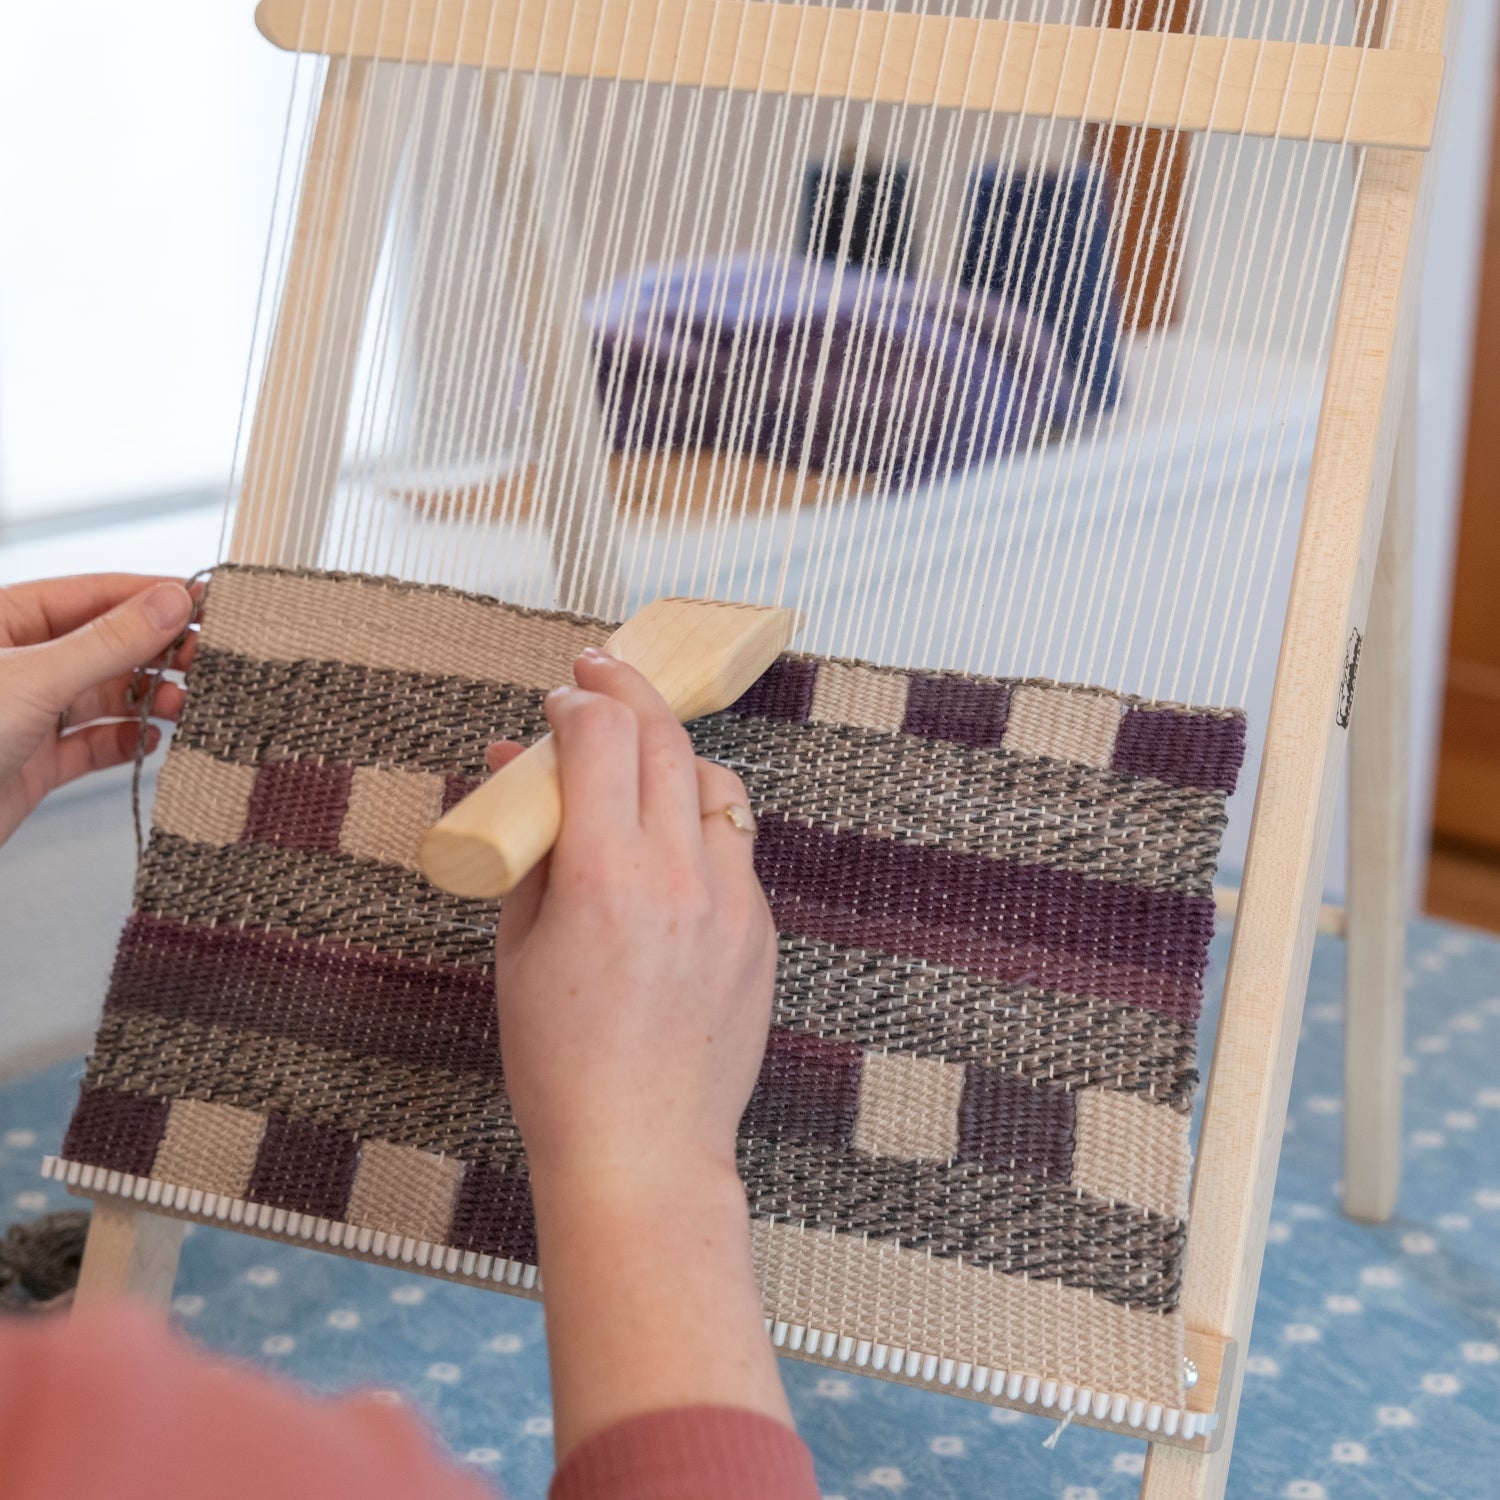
(564, 315)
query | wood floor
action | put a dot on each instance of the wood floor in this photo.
(1463, 885)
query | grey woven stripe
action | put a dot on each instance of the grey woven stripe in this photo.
(329, 897)
(909, 1005)
(246, 710)
(958, 1211)
(993, 803)
(846, 995)
(461, 1114)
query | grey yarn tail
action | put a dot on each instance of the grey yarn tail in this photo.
(39, 1261)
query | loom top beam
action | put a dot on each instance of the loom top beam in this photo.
(1295, 91)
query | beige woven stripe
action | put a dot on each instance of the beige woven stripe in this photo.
(285, 617)
(861, 697)
(209, 1146)
(404, 1192)
(1130, 1150)
(908, 1107)
(201, 798)
(1065, 724)
(871, 1289)
(389, 812)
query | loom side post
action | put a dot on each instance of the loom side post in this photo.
(296, 441)
(1244, 1117)
(129, 1253)
(1374, 1004)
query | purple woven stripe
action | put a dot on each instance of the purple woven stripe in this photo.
(784, 691)
(1015, 1126)
(299, 804)
(808, 1091)
(369, 1004)
(115, 1130)
(1196, 750)
(494, 1214)
(957, 709)
(982, 956)
(879, 881)
(304, 1168)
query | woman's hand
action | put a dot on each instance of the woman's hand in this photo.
(68, 647)
(634, 971)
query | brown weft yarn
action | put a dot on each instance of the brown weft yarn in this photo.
(969, 1141)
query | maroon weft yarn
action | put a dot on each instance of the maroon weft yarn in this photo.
(1006, 1122)
(116, 1130)
(304, 1168)
(300, 804)
(364, 1002)
(957, 709)
(988, 916)
(1198, 750)
(784, 692)
(808, 1090)
(494, 1213)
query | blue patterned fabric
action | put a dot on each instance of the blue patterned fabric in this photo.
(1374, 1370)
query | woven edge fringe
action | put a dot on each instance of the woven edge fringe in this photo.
(1044, 1395)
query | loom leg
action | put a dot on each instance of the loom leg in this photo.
(129, 1254)
(1374, 1008)
(1182, 1474)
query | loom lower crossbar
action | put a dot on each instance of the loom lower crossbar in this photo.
(1193, 1425)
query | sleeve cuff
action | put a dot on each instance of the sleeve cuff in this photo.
(691, 1453)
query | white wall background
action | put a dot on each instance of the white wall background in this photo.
(140, 148)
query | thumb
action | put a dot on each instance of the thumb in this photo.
(126, 637)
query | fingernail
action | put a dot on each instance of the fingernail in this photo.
(595, 654)
(153, 738)
(168, 605)
(559, 693)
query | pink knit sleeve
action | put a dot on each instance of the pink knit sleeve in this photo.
(690, 1454)
(110, 1403)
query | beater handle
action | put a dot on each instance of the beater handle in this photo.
(699, 654)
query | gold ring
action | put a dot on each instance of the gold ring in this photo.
(738, 814)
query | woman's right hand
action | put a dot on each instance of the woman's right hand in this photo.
(634, 970)
(634, 967)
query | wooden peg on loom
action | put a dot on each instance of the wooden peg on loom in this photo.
(699, 654)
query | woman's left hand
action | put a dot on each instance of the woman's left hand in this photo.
(68, 648)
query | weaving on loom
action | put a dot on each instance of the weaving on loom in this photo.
(1057, 409)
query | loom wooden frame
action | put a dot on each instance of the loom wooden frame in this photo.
(1112, 75)
(281, 516)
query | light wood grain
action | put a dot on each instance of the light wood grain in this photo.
(1114, 76)
(128, 1254)
(1375, 1000)
(297, 435)
(699, 654)
(1250, 1079)
(1333, 920)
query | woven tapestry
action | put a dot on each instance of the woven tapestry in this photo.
(967, 1154)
